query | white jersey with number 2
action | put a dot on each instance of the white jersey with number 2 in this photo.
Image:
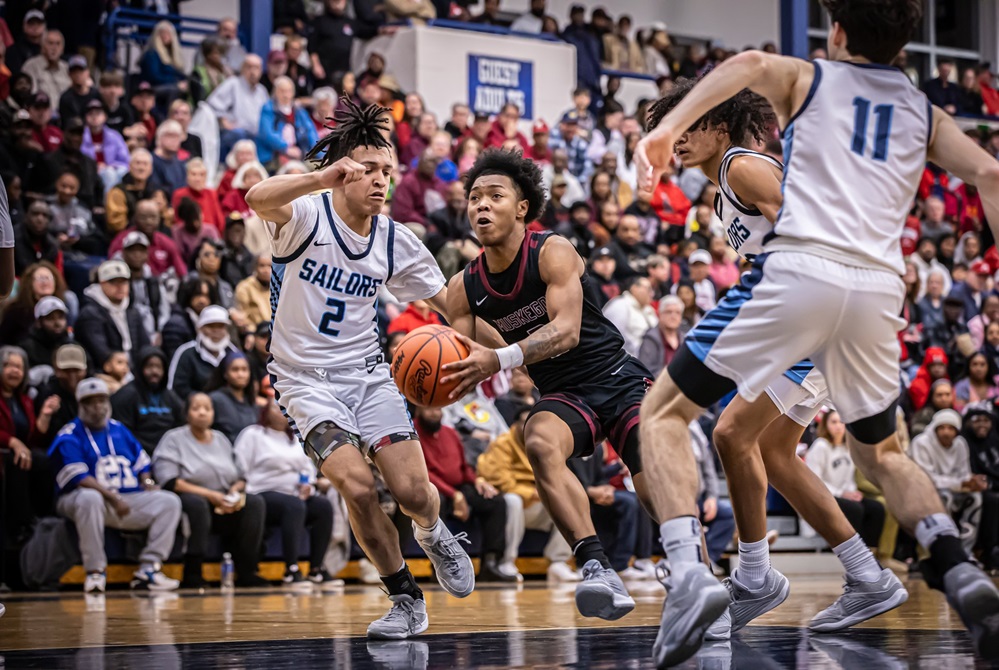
(325, 283)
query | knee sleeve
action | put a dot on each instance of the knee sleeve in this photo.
(326, 438)
(627, 444)
(874, 429)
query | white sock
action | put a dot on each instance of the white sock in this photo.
(427, 534)
(149, 567)
(933, 526)
(682, 543)
(754, 564)
(857, 560)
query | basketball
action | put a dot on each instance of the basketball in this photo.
(416, 367)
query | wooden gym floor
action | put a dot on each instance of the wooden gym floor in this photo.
(528, 626)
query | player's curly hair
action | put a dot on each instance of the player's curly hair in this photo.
(525, 175)
(747, 116)
(876, 29)
(354, 127)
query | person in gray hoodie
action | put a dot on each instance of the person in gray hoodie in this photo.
(944, 454)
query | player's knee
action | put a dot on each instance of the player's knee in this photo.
(727, 437)
(541, 451)
(417, 496)
(358, 495)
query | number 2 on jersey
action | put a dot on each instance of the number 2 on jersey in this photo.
(882, 128)
(336, 316)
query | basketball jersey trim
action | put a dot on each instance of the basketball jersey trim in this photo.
(339, 240)
(390, 246)
(484, 274)
(816, 79)
(929, 121)
(301, 248)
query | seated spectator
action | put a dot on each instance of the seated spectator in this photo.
(193, 296)
(207, 263)
(463, 494)
(243, 152)
(190, 231)
(973, 289)
(934, 226)
(49, 332)
(700, 280)
(555, 214)
(829, 458)
(983, 442)
(325, 100)
(197, 464)
(111, 90)
(606, 221)
(978, 384)
(107, 323)
(196, 189)
(943, 454)
(146, 293)
(577, 228)
(258, 355)
(660, 344)
(190, 146)
(522, 393)
(941, 397)
(69, 367)
(273, 464)
(632, 254)
(25, 465)
(238, 262)
(248, 175)
(37, 281)
(164, 257)
(934, 367)
(615, 513)
(133, 187)
(301, 70)
(168, 168)
(47, 70)
(603, 267)
(724, 272)
(81, 92)
(416, 315)
(978, 324)
(413, 146)
(145, 405)
(449, 233)
(162, 63)
(43, 131)
(951, 335)
(716, 514)
(285, 132)
(33, 243)
(671, 205)
(505, 127)
(253, 296)
(275, 66)
(238, 101)
(931, 304)
(72, 223)
(477, 421)
(607, 137)
(233, 393)
(29, 43)
(193, 363)
(632, 313)
(212, 71)
(420, 192)
(104, 145)
(490, 14)
(621, 52)
(457, 125)
(103, 480)
(116, 371)
(234, 51)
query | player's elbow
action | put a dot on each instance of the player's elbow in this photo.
(253, 197)
(753, 61)
(570, 339)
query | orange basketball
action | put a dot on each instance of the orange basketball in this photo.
(416, 367)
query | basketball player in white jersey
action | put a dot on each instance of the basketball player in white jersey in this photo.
(332, 252)
(767, 431)
(827, 287)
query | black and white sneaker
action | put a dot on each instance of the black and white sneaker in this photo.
(323, 581)
(294, 580)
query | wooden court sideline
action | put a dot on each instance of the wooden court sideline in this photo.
(527, 626)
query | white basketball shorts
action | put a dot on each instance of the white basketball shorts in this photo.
(367, 404)
(844, 318)
(800, 402)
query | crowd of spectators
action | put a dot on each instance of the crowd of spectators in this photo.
(144, 287)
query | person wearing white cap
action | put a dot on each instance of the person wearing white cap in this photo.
(49, 332)
(107, 323)
(699, 263)
(103, 479)
(944, 454)
(193, 363)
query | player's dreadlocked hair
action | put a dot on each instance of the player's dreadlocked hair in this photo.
(355, 127)
(747, 115)
(525, 175)
(876, 29)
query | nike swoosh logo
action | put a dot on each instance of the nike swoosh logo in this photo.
(323, 244)
(617, 371)
(479, 302)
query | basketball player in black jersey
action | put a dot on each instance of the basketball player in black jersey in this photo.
(531, 288)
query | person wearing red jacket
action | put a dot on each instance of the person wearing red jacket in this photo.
(505, 128)
(417, 315)
(934, 367)
(163, 252)
(671, 206)
(207, 198)
(463, 494)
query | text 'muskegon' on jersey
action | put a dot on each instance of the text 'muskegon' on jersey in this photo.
(325, 283)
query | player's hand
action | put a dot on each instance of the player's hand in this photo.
(480, 364)
(709, 510)
(652, 156)
(344, 171)
(485, 489)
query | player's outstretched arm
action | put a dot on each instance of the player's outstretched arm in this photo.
(782, 80)
(955, 152)
(271, 199)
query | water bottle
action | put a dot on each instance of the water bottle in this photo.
(303, 477)
(228, 572)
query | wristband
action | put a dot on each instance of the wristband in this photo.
(510, 357)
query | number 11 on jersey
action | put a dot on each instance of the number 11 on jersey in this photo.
(882, 128)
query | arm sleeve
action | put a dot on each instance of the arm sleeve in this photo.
(166, 464)
(416, 275)
(6, 227)
(305, 215)
(74, 467)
